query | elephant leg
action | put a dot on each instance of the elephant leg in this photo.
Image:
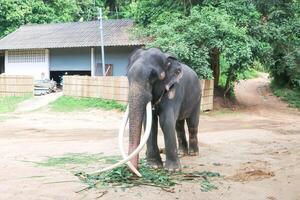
(153, 155)
(192, 123)
(182, 142)
(167, 123)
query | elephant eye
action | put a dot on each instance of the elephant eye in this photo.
(168, 64)
(177, 72)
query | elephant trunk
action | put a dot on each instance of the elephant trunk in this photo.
(138, 98)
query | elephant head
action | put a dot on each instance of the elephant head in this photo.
(147, 69)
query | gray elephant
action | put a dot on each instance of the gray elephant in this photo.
(174, 91)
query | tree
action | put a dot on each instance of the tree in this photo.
(195, 37)
(199, 32)
(12, 15)
(281, 22)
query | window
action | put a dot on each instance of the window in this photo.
(26, 56)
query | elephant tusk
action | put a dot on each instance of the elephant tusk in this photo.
(141, 145)
(121, 146)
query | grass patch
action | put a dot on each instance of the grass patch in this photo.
(248, 74)
(288, 95)
(69, 104)
(77, 159)
(9, 104)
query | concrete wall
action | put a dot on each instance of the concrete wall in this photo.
(118, 56)
(35, 69)
(70, 59)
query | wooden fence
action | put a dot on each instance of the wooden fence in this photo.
(109, 87)
(207, 99)
(11, 85)
(116, 88)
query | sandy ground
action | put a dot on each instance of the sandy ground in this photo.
(255, 149)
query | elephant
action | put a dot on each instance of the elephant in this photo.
(175, 94)
(164, 90)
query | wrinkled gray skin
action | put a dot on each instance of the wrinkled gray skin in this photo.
(153, 74)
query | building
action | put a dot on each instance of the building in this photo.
(51, 50)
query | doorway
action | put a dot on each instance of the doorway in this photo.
(2, 69)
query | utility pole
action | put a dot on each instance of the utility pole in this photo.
(102, 42)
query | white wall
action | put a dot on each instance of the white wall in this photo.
(34, 69)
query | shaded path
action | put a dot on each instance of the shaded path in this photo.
(255, 96)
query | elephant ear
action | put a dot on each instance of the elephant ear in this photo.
(173, 69)
(137, 53)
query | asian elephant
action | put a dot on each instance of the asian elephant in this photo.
(174, 91)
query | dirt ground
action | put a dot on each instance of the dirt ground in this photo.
(255, 149)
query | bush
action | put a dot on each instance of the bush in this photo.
(292, 96)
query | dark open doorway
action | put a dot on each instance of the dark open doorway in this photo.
(2, 63)
(57, 75)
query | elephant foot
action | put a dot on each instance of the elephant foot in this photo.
(172, 166)
(193, 153)
(182, 152)
(193, 149)
(154, 163)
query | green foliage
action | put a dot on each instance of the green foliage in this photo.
(14, 13)
(259, 67)
(242, 31)
(149, 12)
(71, 158)
(69, 104)
(248, 74)
(245, 32)
(282, 31)
(77, 159)
(192, 37)
(122, 177)
(292, 96)
(9, 104)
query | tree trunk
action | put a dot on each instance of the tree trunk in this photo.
(231, 78)
(215, 64)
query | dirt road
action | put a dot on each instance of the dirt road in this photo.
(255, 149)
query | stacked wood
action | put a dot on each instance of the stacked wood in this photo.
(42, 87)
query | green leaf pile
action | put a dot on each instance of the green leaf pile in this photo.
(122, 177)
